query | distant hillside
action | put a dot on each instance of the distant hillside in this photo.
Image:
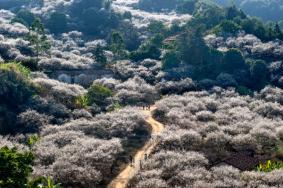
(11, 4)
(268, 10)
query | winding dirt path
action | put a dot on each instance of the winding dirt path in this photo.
(123, 178)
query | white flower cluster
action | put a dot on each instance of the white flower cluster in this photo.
(83, 152)
(249, 44)
(204, 128)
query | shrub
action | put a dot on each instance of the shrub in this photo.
(98, 94)
(269, 166)
(15, 167)
(43, 183)
(226, 80)
(15, 90)
(259, 73)
(233, 59)
(170, 60)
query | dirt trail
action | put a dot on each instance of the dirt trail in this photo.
(123, 178)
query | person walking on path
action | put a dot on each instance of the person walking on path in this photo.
(141, 164)
(112, 169)
(132, 160)
(145, 156)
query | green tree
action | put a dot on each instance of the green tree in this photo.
(100, 55)
(170, 60)
(227, 26)
(57, 23)
(233, 11)
(15, 167)
(149, 49)
(145, 51)
(157, 40)
(187, 6)
(127, 15)
(233, 60)
(107, 4)
(25, 17)
(277, 31)
(156, 27)
(98, 94)
(259, 73)
(192, 48)
(117, 44)
(38, 39)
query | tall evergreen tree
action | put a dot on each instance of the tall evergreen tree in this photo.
(37, 38)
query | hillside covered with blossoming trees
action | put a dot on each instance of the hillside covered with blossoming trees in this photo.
(141, 94)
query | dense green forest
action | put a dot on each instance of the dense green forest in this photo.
(267, 10)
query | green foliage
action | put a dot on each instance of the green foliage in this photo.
(243, 90)
(57, 23)
(189, 52)
(107, 4)
(157, 5)
(259, 73)
(42, 182)
(192, 48)
(258, 28)
(14, 83)
(98, 94)
(11, 4)
(186, 6)
(25, 17)
(230, 20)
(149, 49)
(233, 12)
(37, 37)
(267, 10)
(32, 140)
(127, 15)
(156, 27)
(144, 52)
(117, 45)
(95, 17)
(100, 56)
(279, 152)
(15, 90)
(170, 60)
(233, 60)
(114, 106)
(208, 14)
(81, 102)
(31, 64)
(180, 6)
(15, 167)
(16, 68)
(130, 35)
(226, 26)
(269, 166)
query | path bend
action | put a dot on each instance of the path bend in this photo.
(123, 178)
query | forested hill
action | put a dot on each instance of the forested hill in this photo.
(267, 10)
